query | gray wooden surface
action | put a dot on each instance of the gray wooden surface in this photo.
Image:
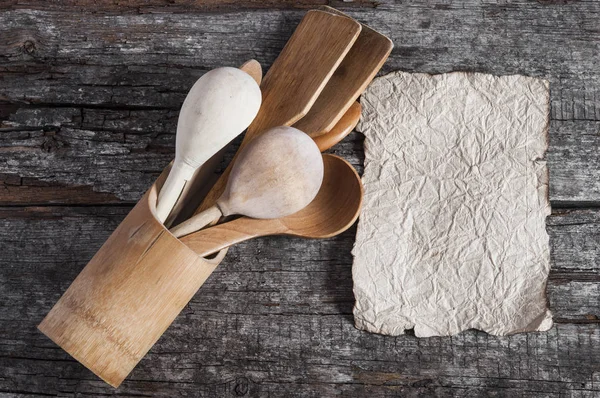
(88, 106)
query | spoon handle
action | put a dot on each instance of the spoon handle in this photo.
(197, 222)
(342, 128)
(221, 236)
(169, 193)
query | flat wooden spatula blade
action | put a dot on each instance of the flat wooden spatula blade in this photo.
(366, 57)
(303, 68)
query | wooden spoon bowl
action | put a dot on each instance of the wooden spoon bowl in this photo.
(335, 208)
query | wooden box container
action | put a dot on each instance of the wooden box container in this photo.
(128, 294)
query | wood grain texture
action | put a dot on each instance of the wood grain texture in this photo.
(179, 6)
(141, 66)
(51, 149)
(358, 68)
(343, 127)
(277, 314)
(89, 99)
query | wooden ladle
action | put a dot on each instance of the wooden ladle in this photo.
(334, 210)
(277, 174)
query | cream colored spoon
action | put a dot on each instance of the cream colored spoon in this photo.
(335, 208)
(220, 105)
(276, 174)
(200, 183)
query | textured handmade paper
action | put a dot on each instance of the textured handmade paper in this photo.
(452, 232)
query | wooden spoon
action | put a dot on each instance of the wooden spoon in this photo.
(203, 178)
(253, 68)
(198, 185)
(335, 208)
(277, 174)
(219, 107)
(182, 210)
(297, 77)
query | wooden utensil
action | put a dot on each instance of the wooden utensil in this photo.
(219, 107)
(254, 69)
(202, 179)
(366, 57)
(297, 77)
(277, 174)
(334, 209)
(342, 128)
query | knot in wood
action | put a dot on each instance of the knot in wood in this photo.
(51, 144)
(29, 47)
(241, 387)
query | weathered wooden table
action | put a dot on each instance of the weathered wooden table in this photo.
(89, 99)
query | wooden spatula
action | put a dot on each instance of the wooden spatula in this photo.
(297, 77)
(359, 67)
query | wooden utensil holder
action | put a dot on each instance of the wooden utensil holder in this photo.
(128, 294)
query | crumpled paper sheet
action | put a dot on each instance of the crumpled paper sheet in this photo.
(452, 232)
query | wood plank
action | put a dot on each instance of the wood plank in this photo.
(131, 66)
(148, 59)
(288, 287)
(268, 276)
(574, 161)
(574, 238)
(300, 355)
(112, 156)
(179, 6)
(19, 191)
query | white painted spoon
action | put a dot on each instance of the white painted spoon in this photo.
(275, 175)
(220, 105)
